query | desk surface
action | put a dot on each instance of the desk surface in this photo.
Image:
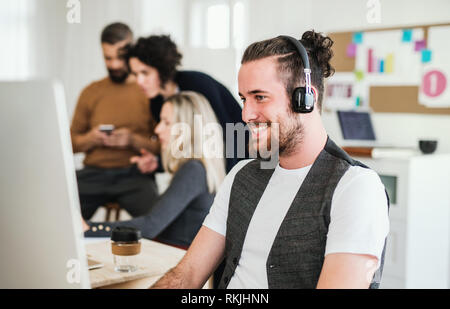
(154, 261)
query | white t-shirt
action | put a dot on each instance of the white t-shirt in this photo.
(358, 219)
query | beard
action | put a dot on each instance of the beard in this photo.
(291, 136)
(118, 76)
(285, 136)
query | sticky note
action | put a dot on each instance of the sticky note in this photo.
(407, 35)
(357, 37)
(351, 50)
(426, 55)
(389, 65)
(358, 101)
(419, 45)
(359, 75)
(370, 60)
(381, 66)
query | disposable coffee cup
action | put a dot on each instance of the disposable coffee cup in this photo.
(125, 247)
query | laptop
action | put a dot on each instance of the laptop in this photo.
(356, 128)
(359, 137)
(41, 233)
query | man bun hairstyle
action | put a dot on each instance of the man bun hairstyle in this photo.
(159, 52)
(290, 65)
(319, 49)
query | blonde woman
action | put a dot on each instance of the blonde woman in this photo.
(192, 150)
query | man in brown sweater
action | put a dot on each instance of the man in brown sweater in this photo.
(108, 175)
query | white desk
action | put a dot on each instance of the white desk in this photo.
(154, 261)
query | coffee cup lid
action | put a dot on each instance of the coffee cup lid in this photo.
(125, 233)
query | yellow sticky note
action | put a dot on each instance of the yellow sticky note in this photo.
(389, 65)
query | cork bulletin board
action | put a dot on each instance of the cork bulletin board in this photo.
(404, 95)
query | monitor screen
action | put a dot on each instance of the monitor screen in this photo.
(356, 125)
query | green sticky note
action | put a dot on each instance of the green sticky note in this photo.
(359, 75)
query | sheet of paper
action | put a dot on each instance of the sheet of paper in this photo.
(342, 92)
(388, 59)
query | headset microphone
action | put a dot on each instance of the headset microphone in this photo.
(302, 97)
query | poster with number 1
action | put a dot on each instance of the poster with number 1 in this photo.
(435, 88)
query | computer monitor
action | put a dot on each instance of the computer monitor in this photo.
(41, 235)
(356, 126)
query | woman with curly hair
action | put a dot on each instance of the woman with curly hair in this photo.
(154, 61)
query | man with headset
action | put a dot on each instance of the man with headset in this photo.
(319, 219)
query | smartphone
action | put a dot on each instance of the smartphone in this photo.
(107, 128)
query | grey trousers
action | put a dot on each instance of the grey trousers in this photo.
(133, 191)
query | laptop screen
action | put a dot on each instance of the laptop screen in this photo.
(356, 125)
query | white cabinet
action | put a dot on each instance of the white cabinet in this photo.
(417, 252)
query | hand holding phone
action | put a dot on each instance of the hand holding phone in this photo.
(97, 136)
(106, 128)
(120, 138)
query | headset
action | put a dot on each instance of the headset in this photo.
(303, 97)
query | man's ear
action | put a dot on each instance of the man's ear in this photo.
(316, 94)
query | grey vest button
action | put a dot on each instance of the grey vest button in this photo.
(271, 266)
(235, 261)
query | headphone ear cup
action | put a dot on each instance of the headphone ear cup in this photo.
(301, 101)
(298, 98)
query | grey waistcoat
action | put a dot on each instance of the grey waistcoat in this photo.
(297, 254)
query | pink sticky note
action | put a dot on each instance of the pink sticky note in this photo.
(419, 45)
(351, 50)
(370, 60)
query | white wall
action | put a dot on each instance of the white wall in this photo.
(218, 63)
(350, 15)
(165, 17)
(268, 18)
